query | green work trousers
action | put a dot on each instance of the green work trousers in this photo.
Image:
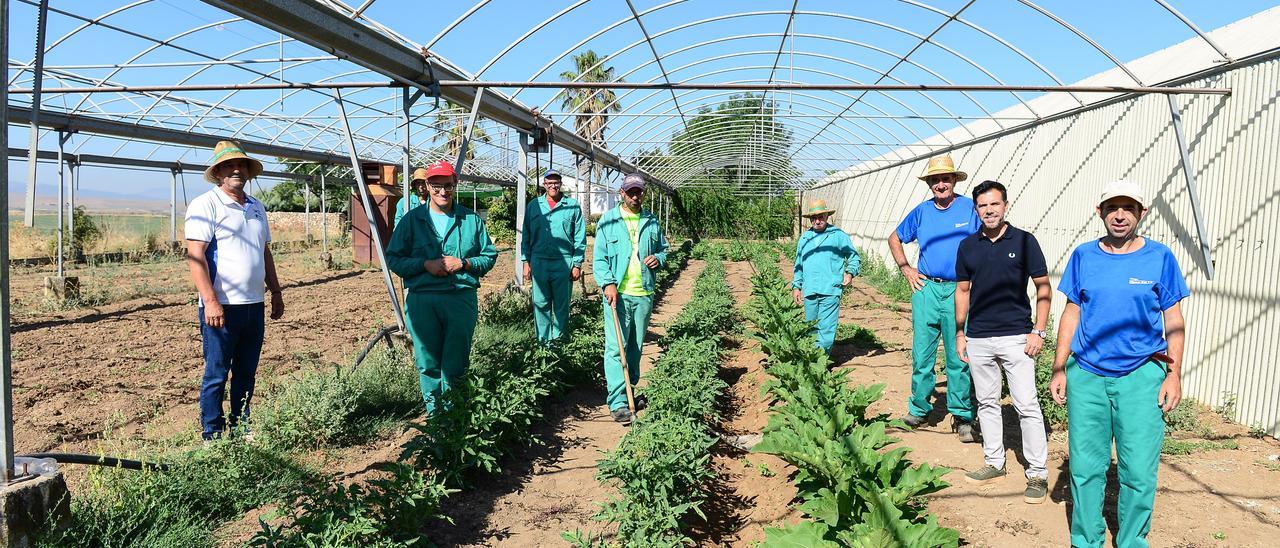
(933, 316)
(633, 315)
(825, 309)
(552, 290)
(442, 325)
(1124, 409)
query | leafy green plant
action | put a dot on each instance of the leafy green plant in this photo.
(858, 336)
(855, 491)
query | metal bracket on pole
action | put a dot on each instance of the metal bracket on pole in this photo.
(368, 212)
(466, 133)
(522, 183)
(1202, 231)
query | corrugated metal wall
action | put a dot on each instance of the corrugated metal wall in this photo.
(1056, 171)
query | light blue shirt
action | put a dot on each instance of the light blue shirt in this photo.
(1122, 299)
(940, 232)
(440, 222)
(822, 259)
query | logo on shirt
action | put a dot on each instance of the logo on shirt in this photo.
(962, 225)
(1135, 281)
(1012, 255)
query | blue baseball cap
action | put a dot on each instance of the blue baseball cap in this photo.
(551, 173)
(634, 180)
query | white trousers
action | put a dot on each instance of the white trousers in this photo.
(987, 356)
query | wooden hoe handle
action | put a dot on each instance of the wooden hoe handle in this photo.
(622, 355)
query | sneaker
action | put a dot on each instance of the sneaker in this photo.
(913, 421)
(622, 415)
(1037, 490)
(642, 402)
(964, 429)
(985, 474)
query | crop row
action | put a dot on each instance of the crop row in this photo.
(482, 421)
(852, 490)
(662, 466)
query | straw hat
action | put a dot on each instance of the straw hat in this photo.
(419, 174)
(817, 206)
(942, 165)
(230, 150)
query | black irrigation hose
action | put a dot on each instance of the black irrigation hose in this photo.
(76, 458)
(384, 333)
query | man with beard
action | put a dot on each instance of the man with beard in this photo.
(939, 223)
(231, 266)
(552, 251)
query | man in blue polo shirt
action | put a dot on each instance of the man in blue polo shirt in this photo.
(992, 269)
(231, 266)
(939, 224)
(1118, 365)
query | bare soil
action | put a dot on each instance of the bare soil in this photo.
(1214, 498)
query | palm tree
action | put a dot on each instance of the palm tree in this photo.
(451, 125)
(597, 103)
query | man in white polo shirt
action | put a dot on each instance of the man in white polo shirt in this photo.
(231, 266)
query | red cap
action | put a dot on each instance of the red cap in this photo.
(440, 167)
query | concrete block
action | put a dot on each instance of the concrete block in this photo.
(63, 288)
(29, 506)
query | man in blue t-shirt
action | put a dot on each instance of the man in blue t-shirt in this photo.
(939, 224)
(994, 332)
(1118, 365)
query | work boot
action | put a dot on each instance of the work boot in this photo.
(622, 415)
(965, 430)
(984, 474)
(1037, 490)
(912, 421)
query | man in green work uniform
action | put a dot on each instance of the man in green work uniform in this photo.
(552, 251)
(417, 194)
(940, 224)
(441, 251)
(629, 247)
(825, 263)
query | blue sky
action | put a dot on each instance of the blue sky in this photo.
(1128, 29)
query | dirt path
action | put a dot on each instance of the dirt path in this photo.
(1216, 498)
(552, 488)
(753, 491)
(134, 367)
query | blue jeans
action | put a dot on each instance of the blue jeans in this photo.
(229, 351)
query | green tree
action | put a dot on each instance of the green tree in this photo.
(287, 195)
(598, 104)
(451, 126)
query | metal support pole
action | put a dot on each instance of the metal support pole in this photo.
(71, 209)
(37, 84)
(173, 205)
(1205, 253)
(306, 209)
(324, 216)
(522, 182)
(409, 98)
(368, 212)
(6, 350)
(62, 183)
(466, 133)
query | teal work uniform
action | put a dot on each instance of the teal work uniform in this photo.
(442, 311)
(1113, 383)
(822, 260)
(933, 309)
(555, 241)
(414, 202)
(611, 257)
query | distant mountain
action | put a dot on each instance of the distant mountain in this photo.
(96, 200)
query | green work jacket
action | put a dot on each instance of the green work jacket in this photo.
(414, 241)
(613, 250)
(822, 259)
(554, 233)
(414, 202)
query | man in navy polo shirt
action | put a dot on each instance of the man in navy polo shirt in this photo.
(231, 266)
(939, 223)
(992, 269)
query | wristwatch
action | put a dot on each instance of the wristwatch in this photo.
(1043, 334)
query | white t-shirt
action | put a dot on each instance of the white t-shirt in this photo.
(237, 237)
